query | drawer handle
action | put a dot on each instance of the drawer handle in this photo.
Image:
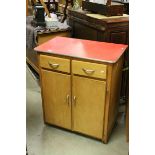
(88, 71)
(54, 66)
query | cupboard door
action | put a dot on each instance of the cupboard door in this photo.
(88, 106)
(56, 98)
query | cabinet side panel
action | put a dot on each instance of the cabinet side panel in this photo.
(114, 95)
(40, 82)
(107, 102)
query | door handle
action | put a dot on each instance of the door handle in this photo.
(54, 66)
(88, 71)
(67, 99)
(74, 100)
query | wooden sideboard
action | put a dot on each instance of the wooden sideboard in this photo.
(79, 92)
(108, 29)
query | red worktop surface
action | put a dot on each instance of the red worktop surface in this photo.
(85, 49)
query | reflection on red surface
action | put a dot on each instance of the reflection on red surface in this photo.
(86, 49)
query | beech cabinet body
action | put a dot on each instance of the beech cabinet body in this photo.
(80, 95)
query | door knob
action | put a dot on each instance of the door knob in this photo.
(74, 100)
(67, 98)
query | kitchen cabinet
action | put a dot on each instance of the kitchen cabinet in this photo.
(80, 84)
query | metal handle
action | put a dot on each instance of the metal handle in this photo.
(74, 100)
(54, 66)
(88, 71)
(67, 98)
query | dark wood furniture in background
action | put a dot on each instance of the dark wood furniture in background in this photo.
(125, 3)
(114, 30)
(108, 9)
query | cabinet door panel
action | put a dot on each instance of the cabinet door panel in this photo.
(88, 109)
(57, 107)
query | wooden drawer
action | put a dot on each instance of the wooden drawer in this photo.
(55, 63)
(89, 69)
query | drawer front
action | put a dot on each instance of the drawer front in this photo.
(55, 63)
(89, 69)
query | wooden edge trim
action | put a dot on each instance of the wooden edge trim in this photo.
(41, 86)
(107, 103)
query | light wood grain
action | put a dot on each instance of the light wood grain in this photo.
(106, 113)
(57, 107)
(88, 109)
(94, 110)
(41, 86)
(63, 63)
(115, 94)
(47, 36)
(98, 70)
(112, 98)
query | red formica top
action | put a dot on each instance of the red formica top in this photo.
(85, 49)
